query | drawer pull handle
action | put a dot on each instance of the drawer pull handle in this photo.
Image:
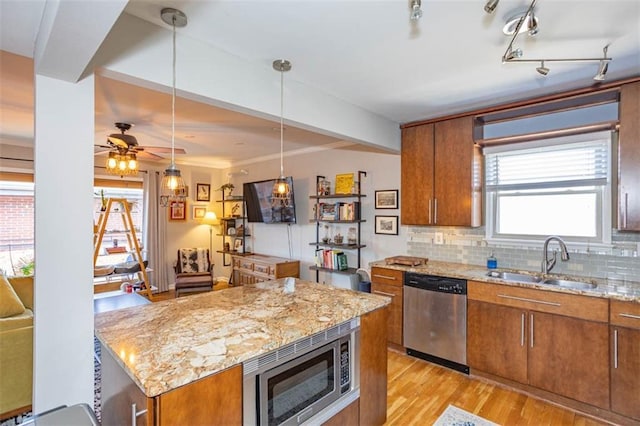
(135, 414)
(522, 330)
(615, 348)
(383, 293)
(524, 299)
(386, 277)
(630, 316)
(531, 331)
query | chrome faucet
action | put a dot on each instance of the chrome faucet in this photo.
(547, 265)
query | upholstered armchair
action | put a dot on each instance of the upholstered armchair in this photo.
(194, 271)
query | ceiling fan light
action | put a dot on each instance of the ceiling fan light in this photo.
(133, 162)
(112, 161)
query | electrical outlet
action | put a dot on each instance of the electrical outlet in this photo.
(439, 238)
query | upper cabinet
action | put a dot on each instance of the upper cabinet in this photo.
(441, 174)
(629, 158)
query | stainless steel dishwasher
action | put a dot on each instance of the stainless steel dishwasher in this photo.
(435, 319)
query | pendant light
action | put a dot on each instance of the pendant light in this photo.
(172, 184)
(281, 194)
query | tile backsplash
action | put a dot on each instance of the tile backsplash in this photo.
(468, 245)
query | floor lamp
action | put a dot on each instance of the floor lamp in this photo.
(210, 219)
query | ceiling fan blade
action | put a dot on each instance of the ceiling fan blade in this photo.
(163, 150)
(117, 142)
(148, 156)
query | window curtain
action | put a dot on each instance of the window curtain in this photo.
(155, 230)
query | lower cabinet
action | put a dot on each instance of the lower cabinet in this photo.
(215, 397)
(625, 358)
(496, 340)
(552, 341)
(389, 282)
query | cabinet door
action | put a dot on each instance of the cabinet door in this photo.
(625, 368)
(629, 158)
(497, 340)
(395, 309)
(570, 357)
(213, 399)
(456, 165)
(373, 368)
(417, 175)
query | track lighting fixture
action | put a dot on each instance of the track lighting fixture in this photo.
(603, 67)
(542, 69)
(528, 22)
(416, 11)
(491, 5)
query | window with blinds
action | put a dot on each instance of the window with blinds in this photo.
(558, 186)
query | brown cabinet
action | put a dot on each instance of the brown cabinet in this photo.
(373, 368)
(496, 340)
(629, 158)
(258, 267)
(389, 282)
(218, 396)
(441, 174)
(625, 358)
(557, 342)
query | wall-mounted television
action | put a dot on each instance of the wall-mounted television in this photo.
(257, 195)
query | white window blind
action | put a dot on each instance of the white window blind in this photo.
(571, 165)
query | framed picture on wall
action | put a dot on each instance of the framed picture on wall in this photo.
(177, 210)
(387, 225)
(199, 211)
(203, 192)
(387, 199)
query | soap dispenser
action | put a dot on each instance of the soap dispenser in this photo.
(492, 262)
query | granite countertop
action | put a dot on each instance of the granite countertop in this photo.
(171, 343)
(612, 289)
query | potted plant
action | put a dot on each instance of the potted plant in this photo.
(227, 186)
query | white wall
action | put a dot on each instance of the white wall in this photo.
(192, 233)
(383, 172)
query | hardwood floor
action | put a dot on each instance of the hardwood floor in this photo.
(418, 392)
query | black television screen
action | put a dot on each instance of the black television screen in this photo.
(257, 195)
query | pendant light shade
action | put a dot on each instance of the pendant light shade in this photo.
(281, 194)
(173, 185)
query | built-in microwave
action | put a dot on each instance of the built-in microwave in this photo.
(305, 382)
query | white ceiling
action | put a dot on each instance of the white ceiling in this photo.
(365, 53)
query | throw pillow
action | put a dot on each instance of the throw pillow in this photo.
(10, 303)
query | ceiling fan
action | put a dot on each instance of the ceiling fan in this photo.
(122, 143)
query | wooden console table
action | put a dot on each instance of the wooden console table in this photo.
(249, 269)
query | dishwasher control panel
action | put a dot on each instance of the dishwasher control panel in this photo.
(435, 283)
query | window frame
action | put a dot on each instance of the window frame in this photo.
(604, 197)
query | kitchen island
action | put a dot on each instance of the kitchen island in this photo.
(181, 359)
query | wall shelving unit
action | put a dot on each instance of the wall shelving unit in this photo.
(357, 221)
(230, 220)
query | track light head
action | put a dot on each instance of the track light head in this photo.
(416, 11)
(542, 69)
(602, 71)
(490, 6)
(512, 54)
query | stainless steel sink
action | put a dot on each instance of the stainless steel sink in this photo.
(578, 285)
(514, 276)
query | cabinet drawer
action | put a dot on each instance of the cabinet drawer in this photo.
(585, 307)
(626, 314)
(261, 269)
(386, 276)
(246, 265)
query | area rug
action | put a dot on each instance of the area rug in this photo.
(454, 416)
